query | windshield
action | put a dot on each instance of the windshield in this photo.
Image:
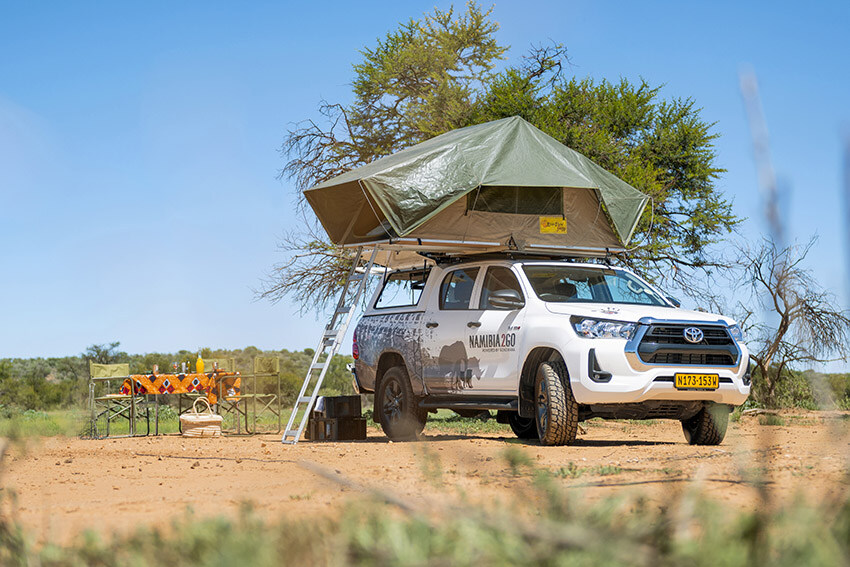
(573, 284)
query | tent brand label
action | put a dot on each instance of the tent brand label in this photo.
(553, 225)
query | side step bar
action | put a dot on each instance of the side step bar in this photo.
(508, 405)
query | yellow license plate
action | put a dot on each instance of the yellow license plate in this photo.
(697, 381)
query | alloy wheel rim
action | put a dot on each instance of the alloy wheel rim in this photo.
(542, 405)
(392, 401)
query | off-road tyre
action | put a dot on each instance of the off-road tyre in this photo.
(523, 427)
(556, 410)
(397, 408)
(708, 427)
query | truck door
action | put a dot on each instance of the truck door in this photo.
(446, 365)
(493, 331)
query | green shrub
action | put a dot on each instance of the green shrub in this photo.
(771, 419)
(49, 383)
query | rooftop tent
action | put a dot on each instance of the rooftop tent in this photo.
(495, 186)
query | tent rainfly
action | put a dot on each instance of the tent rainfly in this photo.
(502, 185)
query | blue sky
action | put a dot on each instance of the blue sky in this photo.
(138, 144)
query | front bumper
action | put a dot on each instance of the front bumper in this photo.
(619, 375)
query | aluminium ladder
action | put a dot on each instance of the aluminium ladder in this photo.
(331, 337)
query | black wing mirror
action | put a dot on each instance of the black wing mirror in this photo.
(506, 299)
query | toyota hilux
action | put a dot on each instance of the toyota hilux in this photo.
(546, 344)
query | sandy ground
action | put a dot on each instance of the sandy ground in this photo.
(64, 485)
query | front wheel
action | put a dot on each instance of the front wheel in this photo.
(556, 409)
(400, 415)
(708, 427)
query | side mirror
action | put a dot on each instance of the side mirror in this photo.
(506, 299)
(674, 301)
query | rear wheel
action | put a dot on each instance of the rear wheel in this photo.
(556, 413)
(708, 427)
(523, 427)
(400, 415)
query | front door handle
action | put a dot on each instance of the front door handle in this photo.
(432, 324)
(473, 324)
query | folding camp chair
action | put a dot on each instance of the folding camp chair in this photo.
(104, 404)
(252, 401)
(266, 398)
(229, 402)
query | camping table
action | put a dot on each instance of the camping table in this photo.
(180, 384)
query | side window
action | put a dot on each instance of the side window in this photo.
(497, 279)
(456, 289)
(402, 289)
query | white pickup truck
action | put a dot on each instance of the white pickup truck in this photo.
(547, 344)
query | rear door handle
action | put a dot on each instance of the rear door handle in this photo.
(473, 324)
(432, 324)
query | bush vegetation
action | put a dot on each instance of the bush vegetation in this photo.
(806, 390)
(62, 382)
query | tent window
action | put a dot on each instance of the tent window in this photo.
(517, 200)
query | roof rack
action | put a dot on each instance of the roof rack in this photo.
(447, 251)
(443, 258)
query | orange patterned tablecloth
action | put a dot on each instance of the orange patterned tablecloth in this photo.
(150, 384)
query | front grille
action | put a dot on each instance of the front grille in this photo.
(674, 335)
(666, 344)
(690, 358)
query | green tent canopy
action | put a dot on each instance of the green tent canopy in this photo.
(495, 186)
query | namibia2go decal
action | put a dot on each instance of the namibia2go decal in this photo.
(494, 341)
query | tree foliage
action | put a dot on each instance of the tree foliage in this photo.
(419, 81)
(661, 147)
(436, 74)
(105, 353)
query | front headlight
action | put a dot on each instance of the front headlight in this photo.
(736, 333)
(602, 329)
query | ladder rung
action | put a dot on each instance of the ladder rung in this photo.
(331, 333)
(343, 310)
(291, 433)
(317, 366)
(304, 399)
(356, 277)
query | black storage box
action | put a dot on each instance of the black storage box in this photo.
(336, 428)
(342, 406)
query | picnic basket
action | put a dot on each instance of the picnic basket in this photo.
(202, 423)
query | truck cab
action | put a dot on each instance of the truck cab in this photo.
(546, 344)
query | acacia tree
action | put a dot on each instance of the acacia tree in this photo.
(105, 353)
(661, 147)
(419, 81)
(798, 321)
(435, 74)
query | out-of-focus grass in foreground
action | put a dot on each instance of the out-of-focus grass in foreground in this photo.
(541, 525)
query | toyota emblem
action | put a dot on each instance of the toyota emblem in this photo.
(693, 335)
